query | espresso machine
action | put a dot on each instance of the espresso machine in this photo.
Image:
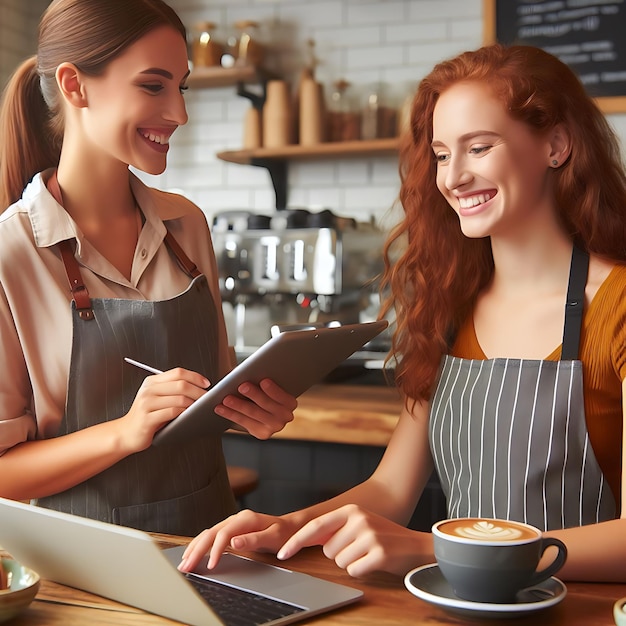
(295, 269)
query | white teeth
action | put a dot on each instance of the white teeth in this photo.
(156, 138)
(470, 202)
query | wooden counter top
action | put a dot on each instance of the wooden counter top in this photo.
(351, 414)
(386, 602)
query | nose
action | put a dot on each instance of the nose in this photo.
(177, 110)
(457, 173)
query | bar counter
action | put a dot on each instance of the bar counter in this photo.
(348, 414)
(337, 438)
(386, 602)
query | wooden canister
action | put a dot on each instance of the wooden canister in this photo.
(311, 113)
(207, 52)
(252, 129)
(277, 115)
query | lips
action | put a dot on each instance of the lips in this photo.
(469, 202)
(157, 140)
(473, 203)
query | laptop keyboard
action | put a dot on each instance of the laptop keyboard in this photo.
(240, 608)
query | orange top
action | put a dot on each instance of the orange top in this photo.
(603, 354)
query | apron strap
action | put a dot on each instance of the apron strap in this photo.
(80, 295)
(186, 263)
(574, 304)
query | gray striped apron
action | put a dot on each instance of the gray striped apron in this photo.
(509, 437)
(179, 489)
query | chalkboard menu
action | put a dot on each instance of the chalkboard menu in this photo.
(589, 36)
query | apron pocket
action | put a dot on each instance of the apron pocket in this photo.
(186, 515)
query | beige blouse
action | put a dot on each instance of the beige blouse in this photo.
(35, 313)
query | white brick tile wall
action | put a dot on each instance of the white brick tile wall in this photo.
(433, 30)
(325, 196)
(314, 173)
(382, 56)
(252, 176)
(443, 9)
(314, 14)
(374, 199)
(384, 171)
(348, 36)
(352, 172)
(376, 12)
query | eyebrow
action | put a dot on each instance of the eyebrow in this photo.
(469, 136)
(162, 72)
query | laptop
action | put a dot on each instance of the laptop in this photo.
(127, 566)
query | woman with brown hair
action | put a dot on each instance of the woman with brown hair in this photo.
(95, 266)
(507, 276)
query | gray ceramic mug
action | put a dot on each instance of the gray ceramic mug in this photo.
(490, 560)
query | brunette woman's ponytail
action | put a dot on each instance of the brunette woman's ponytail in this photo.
(27, 144)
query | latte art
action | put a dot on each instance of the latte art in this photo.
(489, 531)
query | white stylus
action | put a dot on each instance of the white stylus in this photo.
(143, 366)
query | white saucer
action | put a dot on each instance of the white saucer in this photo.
(427, 583)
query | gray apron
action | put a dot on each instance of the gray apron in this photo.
(509, 436)
(179, 489)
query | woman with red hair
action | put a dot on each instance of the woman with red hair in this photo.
(507, 276)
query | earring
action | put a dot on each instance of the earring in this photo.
(555, 162)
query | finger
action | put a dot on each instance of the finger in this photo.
(351, 557)
(278, 394)
(179, 374)
(196, 549)
(267, 539)
(249, 416)
(221, 542)
(216, 539)
(314, 533)
(182, 390)
(361, 566)
(268, 395)
(361, 553)
(252, 403)
(208, 541)
(252, 537)
(261, 418)
(156, 411)
(201, 539)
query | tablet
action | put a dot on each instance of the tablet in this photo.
(295, 360)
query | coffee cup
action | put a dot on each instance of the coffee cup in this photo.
(619, 612)
(490, 560)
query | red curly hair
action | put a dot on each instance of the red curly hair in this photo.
(433, 273)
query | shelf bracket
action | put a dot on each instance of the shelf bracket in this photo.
(257, 99)
(277, 169)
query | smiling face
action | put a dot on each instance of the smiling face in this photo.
(134, 107)
(492, 169)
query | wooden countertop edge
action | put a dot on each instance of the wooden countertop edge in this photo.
(346, 414)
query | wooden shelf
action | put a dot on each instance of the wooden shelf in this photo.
(275, 159)
(337, 149)
(206, 77)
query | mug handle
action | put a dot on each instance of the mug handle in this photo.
(555, 566)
